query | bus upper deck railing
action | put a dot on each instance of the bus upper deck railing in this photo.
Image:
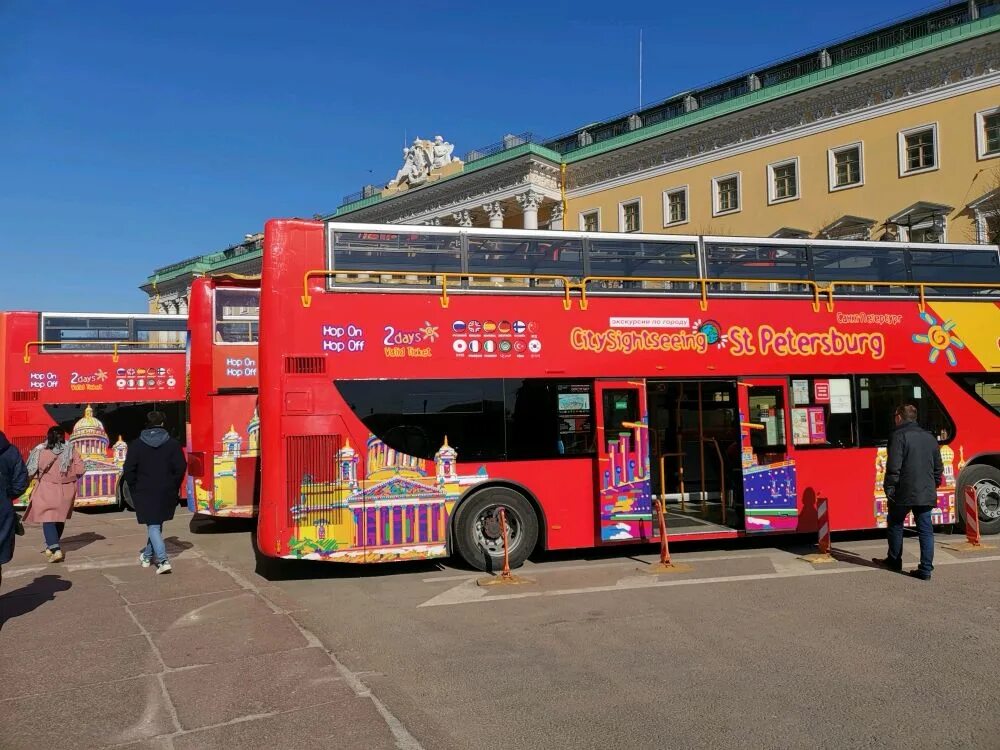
(89, 346)
(704, 287)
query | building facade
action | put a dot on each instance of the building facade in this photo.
(893, 134)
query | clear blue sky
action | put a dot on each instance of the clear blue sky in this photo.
(136, 134)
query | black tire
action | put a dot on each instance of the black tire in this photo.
(123, 496)
(986, 481)
(476, 534)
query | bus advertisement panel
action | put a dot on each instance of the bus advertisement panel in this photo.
(96, 375)
(435, 375)
(225, 426)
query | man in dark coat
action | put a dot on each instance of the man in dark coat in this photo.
(154, 470)
(913, 473)
(13, 483)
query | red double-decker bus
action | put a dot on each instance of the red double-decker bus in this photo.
(414, 381)
(97, 375)
(225, 427)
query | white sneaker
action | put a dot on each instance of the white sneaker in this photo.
(144, 561)
(163, 567)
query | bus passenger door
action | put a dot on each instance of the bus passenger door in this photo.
(770, 497)
(623, 485)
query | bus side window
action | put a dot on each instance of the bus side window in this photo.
(878, 397)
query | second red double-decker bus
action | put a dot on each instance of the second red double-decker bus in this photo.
(225, 427)
(414, 381)
(96, 375)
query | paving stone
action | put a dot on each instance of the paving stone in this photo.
(346, 724)
(224, 641)
(138, 585)
(117, 713)
(67, 663)
(161, 743)
(56, 593)
(44, 625)
(200, 610)
(259, 684)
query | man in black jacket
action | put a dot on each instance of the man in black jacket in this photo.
(913, 473)
(154, 470)
(13, 483)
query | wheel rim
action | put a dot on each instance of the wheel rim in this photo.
(988, 499)
(486, 530)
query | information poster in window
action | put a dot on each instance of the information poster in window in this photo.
(817, 425)
(771, 429)
(800, 392)
(840, 396)
(822, 388)
(800, 427)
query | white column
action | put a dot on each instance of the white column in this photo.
(463, 218)
(556, 219)
(530, 202)
(495, 211)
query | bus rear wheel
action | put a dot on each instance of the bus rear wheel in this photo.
(985, 481)
(477, 529)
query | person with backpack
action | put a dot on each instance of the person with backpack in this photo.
(154, 470)
(13, 483)
(55, 466)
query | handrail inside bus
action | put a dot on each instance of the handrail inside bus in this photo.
(567, 283)
(179, 346)
(919, 285)
(703, 282)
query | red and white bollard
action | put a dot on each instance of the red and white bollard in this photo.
(823, 518)
(973, 541)
(972, 517)
(823, 527)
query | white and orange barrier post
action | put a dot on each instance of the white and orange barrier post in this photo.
(973, 540)
(823, 532)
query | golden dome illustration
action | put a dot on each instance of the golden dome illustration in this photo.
(88, 426)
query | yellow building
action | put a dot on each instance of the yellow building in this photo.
(893, 134)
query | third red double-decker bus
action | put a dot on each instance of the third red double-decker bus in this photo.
(414, 381)
(225, 427)
(97, 375)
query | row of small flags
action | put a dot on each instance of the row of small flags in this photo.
(490, 326)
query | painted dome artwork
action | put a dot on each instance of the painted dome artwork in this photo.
(102, 461)
(89, 436)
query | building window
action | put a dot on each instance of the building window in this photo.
(726, 194)
(675, 206)
(988, 133)
(918, 150)
(846, 166)
(783, 181)
(629, 219)
(590, 221)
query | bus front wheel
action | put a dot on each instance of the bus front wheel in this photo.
(477, 528)
(985, 481)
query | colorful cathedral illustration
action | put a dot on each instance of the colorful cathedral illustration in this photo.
(399, 511)
(944, 513)
(103, 462)
(223, 498)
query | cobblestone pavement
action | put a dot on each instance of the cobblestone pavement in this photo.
(751, 647)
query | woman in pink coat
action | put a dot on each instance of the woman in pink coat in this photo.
(55, 467)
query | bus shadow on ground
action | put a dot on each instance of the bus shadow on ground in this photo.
(210, 525)
(277, 569)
